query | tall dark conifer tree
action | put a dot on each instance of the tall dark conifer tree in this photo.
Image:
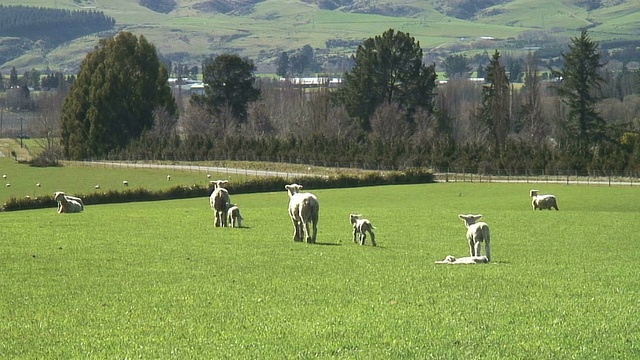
(113, 99)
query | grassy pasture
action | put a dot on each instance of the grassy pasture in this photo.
(82, 180)
(157, 280)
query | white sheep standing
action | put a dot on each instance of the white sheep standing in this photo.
(8, 185)
(68, 203)
(361, 227)
(97, 187)
(542, 202)
(4, 176)
(233, 216)
(452, 260)
(168, 177)
(125, 183)
(38, 185)
(219, 200)
(477, 232)
(303, 210)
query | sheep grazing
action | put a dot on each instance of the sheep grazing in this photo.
(38, 185)
(303, 210)
(168, 177)
(219, 200)
(451, 260)
(208, 176)
(97, 187)
(542, 202)
(362, 226)
(8, 185)
(125, 183)
(477, 232)
(4, 176)
(233, 216)
(68, 203)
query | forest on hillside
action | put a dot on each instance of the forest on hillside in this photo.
(52, 25)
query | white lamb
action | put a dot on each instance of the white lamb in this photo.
(542, 202)
(125, 183)
(303, 210)
(362, 226)
(233, 216)
(68, 203)
(477, 232)
(451, 260)
(168, 177)
(219, 200)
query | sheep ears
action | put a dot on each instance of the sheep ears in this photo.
(463, 216)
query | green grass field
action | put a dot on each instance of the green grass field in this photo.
(157, 280)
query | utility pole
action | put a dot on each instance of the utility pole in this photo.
(21, 132)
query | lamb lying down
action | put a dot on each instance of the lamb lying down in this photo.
(451, 260)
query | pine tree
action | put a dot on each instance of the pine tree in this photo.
(113, 99)
(388, 69)
(579, 78)
(496, 96)
(230, 85)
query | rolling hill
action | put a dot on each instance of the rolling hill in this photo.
(187, 31)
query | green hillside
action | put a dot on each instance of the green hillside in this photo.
(262, 29)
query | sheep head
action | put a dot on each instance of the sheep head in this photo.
(469, 219)
(533, 192)
(354, 217)
(293, 189)
(218, 183)
(58, 195)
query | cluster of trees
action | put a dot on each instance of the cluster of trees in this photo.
(390, 112)
(299, 63)
(56, 25)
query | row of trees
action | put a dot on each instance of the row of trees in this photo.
(389, 111)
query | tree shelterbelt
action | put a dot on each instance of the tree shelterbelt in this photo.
(388, 69)
(119, 87)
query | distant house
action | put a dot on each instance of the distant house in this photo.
(313, 81)
(186, 86)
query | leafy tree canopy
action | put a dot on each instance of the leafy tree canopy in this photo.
(112, 101)
(230, 85)
(388, 69)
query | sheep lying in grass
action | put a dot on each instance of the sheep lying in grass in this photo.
(219, 201)
(233, 216)
(361, 227)
(303, 210)
(542, 202)
(68, 203)
(477, 232)
(451, 260)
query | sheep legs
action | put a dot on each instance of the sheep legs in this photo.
(474, 247)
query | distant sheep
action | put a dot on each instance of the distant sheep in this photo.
(4, 176)
(8, 185)
(477, 232)
(542, 202)
(361, 227)
(451, 260)
(68, 203)
(168, 177)
(303, 210)
(38, 185)
(208, 176)
(125, 183)
(97, 187)
(219, 200)
(233, 216)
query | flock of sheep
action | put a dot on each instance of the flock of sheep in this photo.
(304, 209)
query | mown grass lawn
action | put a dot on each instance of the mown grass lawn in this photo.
(157, 280)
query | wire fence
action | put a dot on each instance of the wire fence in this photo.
(568, 177)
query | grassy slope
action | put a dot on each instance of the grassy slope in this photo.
(156, 280)
(278, 25)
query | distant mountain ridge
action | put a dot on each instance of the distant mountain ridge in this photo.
(188, 31)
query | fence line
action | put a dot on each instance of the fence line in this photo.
(567, 177)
